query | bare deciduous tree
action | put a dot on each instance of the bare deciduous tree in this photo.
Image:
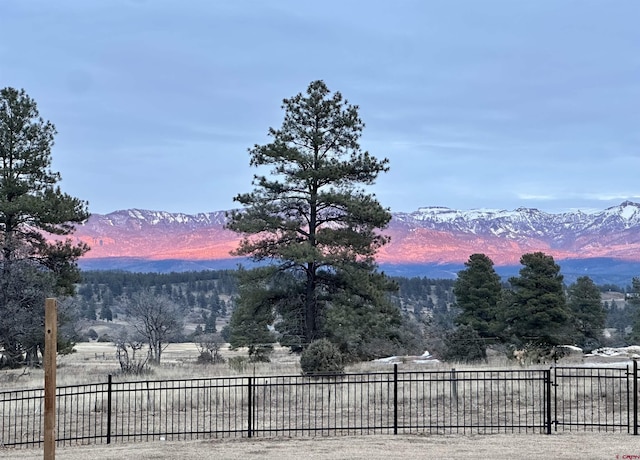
(155, 317)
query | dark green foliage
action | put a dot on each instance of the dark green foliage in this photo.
(364, 324)
(418, 294)
(225, 333)
(249, 326)
(634, 305)
(463, 345)
(610, 287)
(321, 357)
(537, 310)
(32, 210)
(312, 218)
(106, 313)
(588, 314)
(440, 323)
(210, 324)
(31, 203)
(107, 288)
(478, 291)
(88, 310)
(615, 315)
(23, 290)
(197, 283)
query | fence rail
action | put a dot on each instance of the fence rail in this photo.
(453, 401)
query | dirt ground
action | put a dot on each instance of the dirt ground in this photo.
(586, 446)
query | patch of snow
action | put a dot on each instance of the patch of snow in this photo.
(425, 358)
(628, 212)
(630, 351)
(572, 348)
(389, 360)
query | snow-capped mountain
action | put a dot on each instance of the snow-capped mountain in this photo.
(428, 235)
(157, 235)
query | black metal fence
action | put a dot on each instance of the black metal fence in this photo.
(452, 401)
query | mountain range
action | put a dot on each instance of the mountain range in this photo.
(427, 241)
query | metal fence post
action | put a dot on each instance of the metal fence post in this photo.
(555, 397)
(548, 399)
(635, 397)
(395, 398)
(250, 408)
(454, 385)
(109, 382)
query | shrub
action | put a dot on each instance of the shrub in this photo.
(105, 338)
(126, 354)
(209, 349)
(321, 357)
(206, 357)
(464, 345)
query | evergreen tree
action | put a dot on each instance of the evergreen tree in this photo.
(537, 312)
(588, 314)
(633, 305)
(312, 218)
(210, 323)
(90, 311)
(477, 291)
(106, 313)
(32, 209)
(464, 345)
(249, 326)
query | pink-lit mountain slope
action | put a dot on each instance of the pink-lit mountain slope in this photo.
(428, 235)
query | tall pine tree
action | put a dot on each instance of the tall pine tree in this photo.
(588, 313)
(32, 209)
(311, 217)
(538, 313)
(477, 292)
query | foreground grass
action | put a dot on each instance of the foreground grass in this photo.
(585, 446)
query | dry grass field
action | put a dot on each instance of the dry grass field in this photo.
(93, 362)
(600, 446)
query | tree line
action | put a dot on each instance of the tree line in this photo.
(534, 311)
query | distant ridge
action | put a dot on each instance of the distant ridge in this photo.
(430, 236)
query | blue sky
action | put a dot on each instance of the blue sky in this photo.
(477, 104)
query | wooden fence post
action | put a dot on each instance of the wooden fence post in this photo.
(50, 351)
